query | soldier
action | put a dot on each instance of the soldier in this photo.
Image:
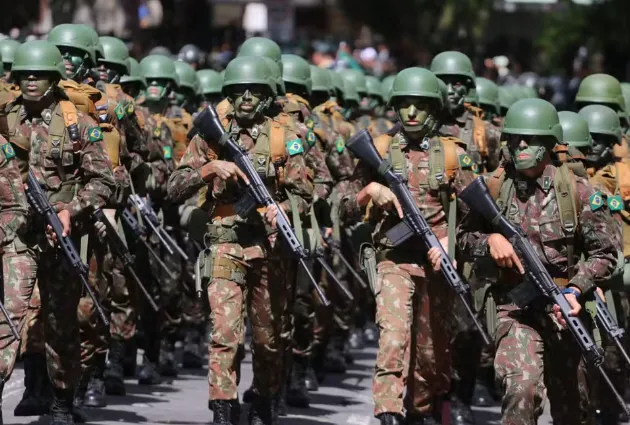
(261, 284)
(387, 88)
(133, 83)
(32, 120)
(532, 351)
(192, 55)
(184, 97)
(7, 53)
(577, 144)
(417, 332)
(380, 124)
(611, 177)
(506, 99)
(210, 83)
(465, 122)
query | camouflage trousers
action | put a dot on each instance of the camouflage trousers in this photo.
(19, 271)
(303, 315)
(533, 361)
(245, 278)
(414, 343)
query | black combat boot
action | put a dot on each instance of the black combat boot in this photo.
(311, 379)
(390, 419)
(334, 361)
(412, 419)
(249, 394)
(297, 394)
(461, 413)
(355, 339)
(193, 357)
(148, 374)
(61, 409)
(280, 407)
(221, 412)
(37, 396)
(114, 370)
(261, 411)
(78, 412)
(129, 357)
(167, 365)
(95, 394)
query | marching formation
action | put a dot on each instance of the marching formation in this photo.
(473, 233)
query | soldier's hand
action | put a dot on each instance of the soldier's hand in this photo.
(64, 218)
(381, 196)
(225, 170)
(575, 305)
(435, 255)
(599, 292)
(101, 229)
(502, 251)
(271, 213)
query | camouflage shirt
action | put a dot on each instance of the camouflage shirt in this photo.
(13, 204)
(427, 200)
(537, 213)
(335, 132)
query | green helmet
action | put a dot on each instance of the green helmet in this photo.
(506, 99)
(248, 70)
(276, 75)
(516, 92)
(75, 36)
(443, 91)
(454, 63)
(7, 50)
(321, 79)
(296, 70)
(488, 93)
(115, 52)
(417, 82)
(575, 130)
(350, 91)
(38, 55)
(387, 84)
(210, 81)
(94, 39)
(472, 97)
(533, 117)
(374, 87)
(601, 88)
(158, 67)
(338, 83)
(357, 78)
(528, 92)
(187, 76)
(260, 46)
(134, 75)
(602, 120)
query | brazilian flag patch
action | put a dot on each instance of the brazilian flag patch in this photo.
(168, 152)
(310, 138)
(596, 201)
(95, 134)
(294, 147)
(131, 108)
(157, 132)
(466, 161)
(8, 151)
(310, 123)
(475, 168)
(615, 203)
(340, 144)
(120, 111)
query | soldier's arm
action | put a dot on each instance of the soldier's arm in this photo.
(13, 204)
(322, 178)
(187, 179)
(97, 177)
(472, 234)
(599, 248)
(463, 177)
(297, 178)
(349, 209)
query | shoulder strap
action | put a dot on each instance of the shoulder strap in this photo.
(397, 158)
(495, 181)
(12, 118)
(623, 179)
(277, 146)
(110, 91)
(565, 188)
(479, 134)
(451, 159)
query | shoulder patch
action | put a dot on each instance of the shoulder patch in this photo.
(168, 152)
(157, 132)
(8, 150)
(340, 144)
(131, 108)
(615, 203)
(596, 201)
(465, 161)
(310, 122)
(95, 134)
(294, 147)
(120, 111)
(310, 138)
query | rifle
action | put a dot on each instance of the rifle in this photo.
(154, 222)
(209, 126)
(413, 224)
(119, 249)
(39, 201)
(139, 233)
(335, 246)
(609, 325)
(537, 280)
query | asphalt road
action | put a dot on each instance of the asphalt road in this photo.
(341, 400)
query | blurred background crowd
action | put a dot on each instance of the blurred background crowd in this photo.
(549, 45)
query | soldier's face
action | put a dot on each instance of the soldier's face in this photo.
(158, 89)
(34, 85)
(132, 89)
(527, 151)
(602, 149)
(413, 112)
(107, 72)
(456, 90)
(72, 59)
(247, 99)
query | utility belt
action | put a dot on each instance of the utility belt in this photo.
(226, 226)
(500, 293)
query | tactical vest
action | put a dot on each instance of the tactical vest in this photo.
(63, 135)
(105, 111)
(474, 135)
